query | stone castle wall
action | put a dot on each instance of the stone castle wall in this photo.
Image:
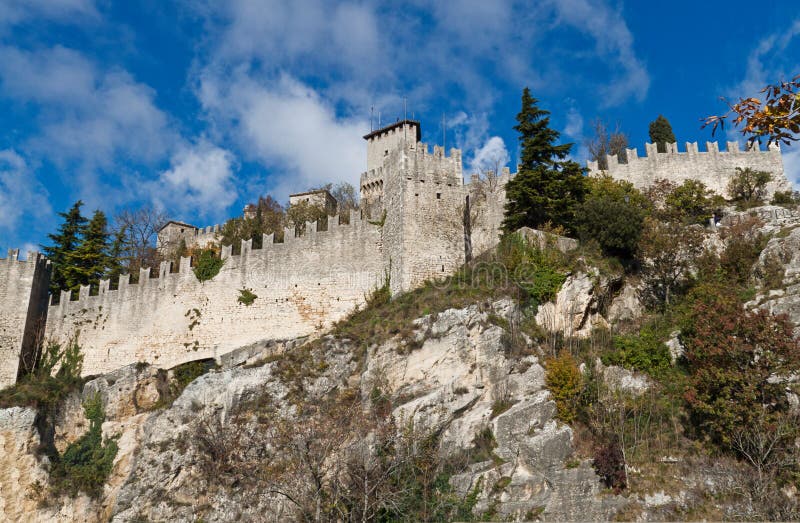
(713, 167)
(303, 286)
(23, 310)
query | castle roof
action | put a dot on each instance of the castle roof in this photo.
(316, 191)
(182, 224)
(388, 128)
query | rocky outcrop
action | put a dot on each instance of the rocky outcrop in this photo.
(457, 381)
(576, 311)
(778, 269)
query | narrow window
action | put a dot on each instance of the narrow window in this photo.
(438, 196)
(442, 268)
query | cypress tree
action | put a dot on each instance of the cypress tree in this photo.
(661, 133)
(62, 250)
(548, 187)
(92, 260)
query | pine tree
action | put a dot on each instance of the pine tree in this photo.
(547, 188)
(91, 258)
(61, 252)
(661, 133)
(116, 254)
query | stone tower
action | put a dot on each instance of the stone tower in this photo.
(420, 199)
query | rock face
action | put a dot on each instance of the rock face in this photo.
(576, 309)
(457, 382)
(779, 266)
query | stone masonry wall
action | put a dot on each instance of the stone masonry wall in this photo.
(303, 285)
(23, 309)
(713, 168)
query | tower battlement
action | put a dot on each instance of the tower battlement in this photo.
(712, 167)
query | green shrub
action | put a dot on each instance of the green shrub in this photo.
(645, 352)
(565, 382)
(55, 374)
(785, 198)
(208, 265)
(87, 462)
(612, 215)
(246, 297)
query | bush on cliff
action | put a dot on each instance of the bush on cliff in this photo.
(87, 462)
(56, 372)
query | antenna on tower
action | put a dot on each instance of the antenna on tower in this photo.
(379, 119)
(371, 117)
(405, 117)
(444, 135)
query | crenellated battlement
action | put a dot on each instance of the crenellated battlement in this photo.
(691, 149)
(413, 225)
(713, 167)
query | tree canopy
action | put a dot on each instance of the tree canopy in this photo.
(548, 187)
(661, 133)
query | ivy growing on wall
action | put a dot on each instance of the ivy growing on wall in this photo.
(208, 265)
(246, 297)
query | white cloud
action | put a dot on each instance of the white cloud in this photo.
(20, 194)
(290, 128)
(17, 11)
(614, 42)
(574, 127)
(89, 119)
(200, 180)
(491, 156)
(768, 62)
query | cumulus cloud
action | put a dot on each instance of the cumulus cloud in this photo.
(201, 179)
(20, 194)
(90, 120)
(287, 126)
(491, 156)
(17, 11)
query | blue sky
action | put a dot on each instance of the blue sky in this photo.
(197, 107)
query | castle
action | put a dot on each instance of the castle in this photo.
(418, 220)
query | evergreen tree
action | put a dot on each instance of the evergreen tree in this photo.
(116, 255)
(661, 133)
(91, 258)
(547, 188)
(61, 252)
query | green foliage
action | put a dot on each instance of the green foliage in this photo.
(82, 252)
(64, 243)
(661, 133)
(547, 188)
(87, 462)
(667, 254)
(56, 373)
(298, 214)
(246, 297)
(208, 265)
(690, 202)
(785, 198)
(737, 360)
(747, 187)
(565, 382)
(645, 351)
(612, 215)
(91, 259)
(268, 218)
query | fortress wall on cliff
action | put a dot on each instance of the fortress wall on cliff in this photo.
(303, 285)
(23, 310)
(712, 167)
